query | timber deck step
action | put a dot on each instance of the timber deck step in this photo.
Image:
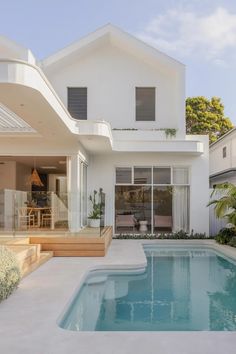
(29, 256)
(83, 245)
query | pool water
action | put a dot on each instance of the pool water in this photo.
(180, 290)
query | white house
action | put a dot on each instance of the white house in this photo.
(223, 159)
(106, 112)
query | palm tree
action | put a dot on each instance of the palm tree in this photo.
(225, 204)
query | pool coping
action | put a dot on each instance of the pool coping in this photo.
(28, 317)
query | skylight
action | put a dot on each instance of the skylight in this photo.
(11, 122)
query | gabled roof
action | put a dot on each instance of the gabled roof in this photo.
(12, 50)
(116, 36)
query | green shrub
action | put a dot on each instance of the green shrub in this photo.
(9, 272)
(225, 235)
(232, 242)
(180, 235)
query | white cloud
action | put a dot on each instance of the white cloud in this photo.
(187, 33)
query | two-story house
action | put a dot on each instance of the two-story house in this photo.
(105, 112)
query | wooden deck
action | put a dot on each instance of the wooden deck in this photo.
(87, 243)
(29, 257)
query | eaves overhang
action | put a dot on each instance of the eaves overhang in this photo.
(225, 173)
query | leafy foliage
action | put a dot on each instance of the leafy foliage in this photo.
(232, 242)
(225, 236)
(225, 203)
(180, 235)
(96, 211)
(206, 116)
(9, 272)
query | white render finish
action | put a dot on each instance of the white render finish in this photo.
(220, 164)
(101, 173)
(111, 75)
(111, 64)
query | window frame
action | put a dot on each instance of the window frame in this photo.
(155, 101)
(78, 87)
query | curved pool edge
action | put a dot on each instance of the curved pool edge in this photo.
(137, 268)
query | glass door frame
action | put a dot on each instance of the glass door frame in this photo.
(152, 186)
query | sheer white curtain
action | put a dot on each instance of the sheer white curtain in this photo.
(180, 208)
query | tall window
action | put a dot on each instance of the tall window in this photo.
(145, 104)
(151, 199)
(77, 102)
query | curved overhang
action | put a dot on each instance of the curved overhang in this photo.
(96, 136)
(25, 90)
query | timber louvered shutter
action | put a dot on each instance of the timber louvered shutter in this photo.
(145, 104)
(77, 102)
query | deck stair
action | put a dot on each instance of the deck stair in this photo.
(30, 257)
(88, 243)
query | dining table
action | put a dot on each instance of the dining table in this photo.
(38, 211)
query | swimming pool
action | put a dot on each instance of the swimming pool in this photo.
(182, 289)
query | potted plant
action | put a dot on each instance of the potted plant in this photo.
(95, 215)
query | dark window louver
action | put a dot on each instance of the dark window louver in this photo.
(145, 104)
(77, 102)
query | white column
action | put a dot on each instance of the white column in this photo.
(73, 178)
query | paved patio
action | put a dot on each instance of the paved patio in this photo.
(28, 318)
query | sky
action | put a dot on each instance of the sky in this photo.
(199, 33)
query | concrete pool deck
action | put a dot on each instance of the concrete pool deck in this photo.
(28, 319)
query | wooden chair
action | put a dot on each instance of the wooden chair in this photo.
(47, 218)
(25, 217)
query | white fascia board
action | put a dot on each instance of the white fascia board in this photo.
(116, 35)
(188, 147)
(17, 51)
(156, 141)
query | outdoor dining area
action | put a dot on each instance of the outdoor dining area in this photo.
(36, 217)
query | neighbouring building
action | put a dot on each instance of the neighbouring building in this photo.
(106, 112)
(223, 159)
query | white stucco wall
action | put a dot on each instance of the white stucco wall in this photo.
(217, 162)
(101, 173)
(111, 76)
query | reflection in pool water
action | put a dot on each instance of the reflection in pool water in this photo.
(181, 290)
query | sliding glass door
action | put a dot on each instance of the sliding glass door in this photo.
(133, 208)
(151, 199)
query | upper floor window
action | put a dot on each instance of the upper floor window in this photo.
(145, 104)
(77, 102)
(224, 152)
